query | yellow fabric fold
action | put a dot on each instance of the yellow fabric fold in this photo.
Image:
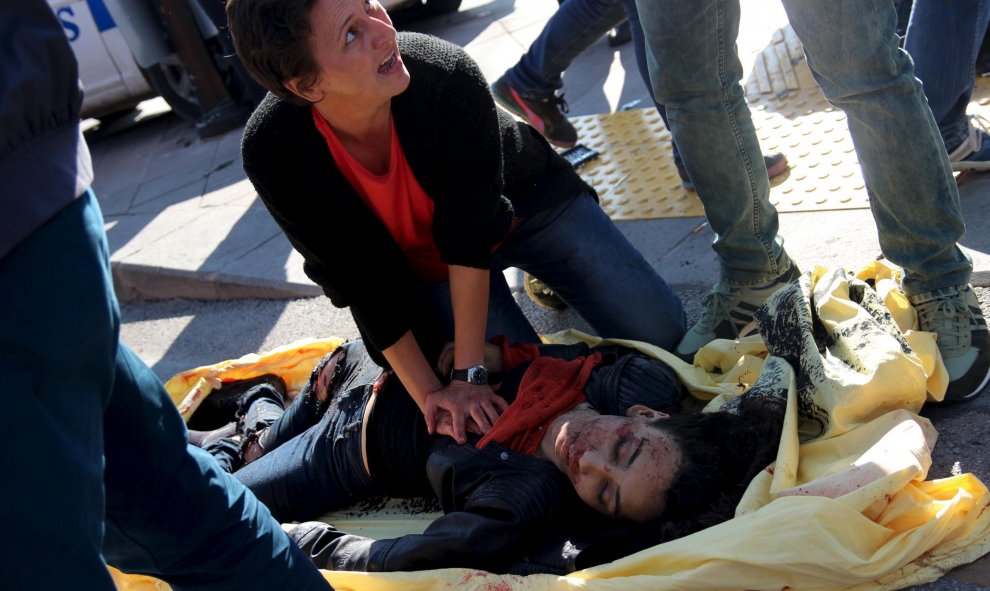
(293, 363)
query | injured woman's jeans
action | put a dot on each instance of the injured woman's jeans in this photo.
(313, 459)
(260, 407)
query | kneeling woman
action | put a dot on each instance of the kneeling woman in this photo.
(576, 435)
(387, 164)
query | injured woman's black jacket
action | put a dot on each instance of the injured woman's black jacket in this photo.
(504, 512)
(498, 508)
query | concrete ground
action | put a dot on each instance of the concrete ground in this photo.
(183, 222)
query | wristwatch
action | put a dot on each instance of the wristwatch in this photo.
(476, 374)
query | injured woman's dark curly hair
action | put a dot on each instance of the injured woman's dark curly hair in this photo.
(722, 452)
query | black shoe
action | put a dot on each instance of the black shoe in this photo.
(544, 112)
(221, 406)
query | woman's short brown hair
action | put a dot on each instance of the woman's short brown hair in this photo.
(271, 38)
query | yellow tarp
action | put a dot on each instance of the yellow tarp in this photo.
(847, 509)
(293, 362)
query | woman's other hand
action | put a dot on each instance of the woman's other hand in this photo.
(460, 407)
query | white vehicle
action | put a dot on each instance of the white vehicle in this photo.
(111, 78)
(126, 54)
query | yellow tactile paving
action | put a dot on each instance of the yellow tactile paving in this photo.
(635, 174)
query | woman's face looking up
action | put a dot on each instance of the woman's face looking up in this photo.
(620, 466)
(354, 46)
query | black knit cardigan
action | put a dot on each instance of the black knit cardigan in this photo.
(478, 165)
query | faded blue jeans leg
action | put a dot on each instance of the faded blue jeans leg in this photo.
(643, 65)
(852, 49)
(695, 73)
(947, 68)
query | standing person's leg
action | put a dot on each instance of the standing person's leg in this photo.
(579, 253)
(171, 512)
(852, 49)
(947, 70)
(642, 64)
(528, 89)
(571, 30)
(63, 365)
(695, 73)
(776, 163)
(56, 357)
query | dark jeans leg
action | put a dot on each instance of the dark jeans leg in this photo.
(322, 468)
(575, 26)
(579, 253)
(259, 409)
(56, 356)
(639, 47)
(111, 442)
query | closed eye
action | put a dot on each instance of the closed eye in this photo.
(635, 454)
(602, 490)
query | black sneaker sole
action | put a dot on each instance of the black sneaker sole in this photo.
(973, 382)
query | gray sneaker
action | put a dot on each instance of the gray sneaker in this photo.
(727, 311)
(954, 314)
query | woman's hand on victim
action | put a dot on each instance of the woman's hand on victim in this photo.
(460, 407)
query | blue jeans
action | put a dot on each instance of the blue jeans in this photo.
(95, 456)
(852, 49)
(575, 26)
(577, 251)
(945, 67)
(313, 463)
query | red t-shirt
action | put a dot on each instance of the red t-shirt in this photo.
(396, 199)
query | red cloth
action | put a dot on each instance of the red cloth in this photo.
(515, 353)
(549, 388)
(396, 198)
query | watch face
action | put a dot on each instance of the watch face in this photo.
(477, 375)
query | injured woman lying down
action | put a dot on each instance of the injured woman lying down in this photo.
(592, 460)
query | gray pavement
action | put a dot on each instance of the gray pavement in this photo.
(183, 222)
